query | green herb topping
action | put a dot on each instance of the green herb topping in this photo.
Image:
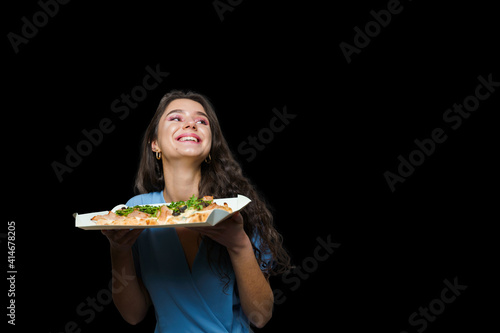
(152, 210)
(177, 207)
(193, 203)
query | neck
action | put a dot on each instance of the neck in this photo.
(181, 181)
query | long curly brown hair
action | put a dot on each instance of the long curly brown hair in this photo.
(221, 178)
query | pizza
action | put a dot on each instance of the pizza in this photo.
(190, 211)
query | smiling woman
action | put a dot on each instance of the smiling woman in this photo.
(198, 279)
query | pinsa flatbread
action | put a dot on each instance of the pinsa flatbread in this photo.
(191, 211)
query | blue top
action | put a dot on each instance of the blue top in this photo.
(184, 301)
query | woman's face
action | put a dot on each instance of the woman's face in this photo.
(184, 131)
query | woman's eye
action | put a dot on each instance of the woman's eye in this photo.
(175, 118)
(202, 121)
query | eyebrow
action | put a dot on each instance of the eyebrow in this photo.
(182, 111)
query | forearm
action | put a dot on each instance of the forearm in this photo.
(255, 292)
(129, 296)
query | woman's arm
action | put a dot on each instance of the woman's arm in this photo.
(129, 293)
(255, 292)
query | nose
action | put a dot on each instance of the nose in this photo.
(190, 124)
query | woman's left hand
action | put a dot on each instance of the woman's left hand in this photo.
(229, 233)
(255, 293)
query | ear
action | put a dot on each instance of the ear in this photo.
(154, 146)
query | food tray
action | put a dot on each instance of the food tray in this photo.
(83, 221)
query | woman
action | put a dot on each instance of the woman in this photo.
(204, 279)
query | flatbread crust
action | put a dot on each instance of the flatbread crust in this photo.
(199, 217)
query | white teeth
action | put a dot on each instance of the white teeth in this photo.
(188, 138)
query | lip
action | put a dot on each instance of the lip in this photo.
(189, 134)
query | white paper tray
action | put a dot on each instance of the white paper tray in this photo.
(84, 221)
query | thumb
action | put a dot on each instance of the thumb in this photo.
(237, 217)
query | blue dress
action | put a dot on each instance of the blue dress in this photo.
(184, 300)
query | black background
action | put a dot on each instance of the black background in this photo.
(352, 122)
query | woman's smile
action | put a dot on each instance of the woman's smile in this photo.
(189, 138)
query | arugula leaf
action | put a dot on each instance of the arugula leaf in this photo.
(152, 210)
(124, 211)
(177, 207)
(193, 203)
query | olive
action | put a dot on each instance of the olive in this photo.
(183, 208)
(176, 213)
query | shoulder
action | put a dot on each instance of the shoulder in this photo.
(146, 199)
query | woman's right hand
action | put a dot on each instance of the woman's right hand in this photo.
(123, 239)
(129, 295)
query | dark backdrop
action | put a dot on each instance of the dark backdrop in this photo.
(348, 119)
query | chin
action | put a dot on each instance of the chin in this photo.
(191, 155)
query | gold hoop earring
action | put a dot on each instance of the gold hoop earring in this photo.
(158, 155)
(209, 159)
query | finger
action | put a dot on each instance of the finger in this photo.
(131, 236)
(107, 232)
(201, 230)
(237, 218)
(136, 233)
(113, 233)
(206, 231)
(118, 235)
(121, 236)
